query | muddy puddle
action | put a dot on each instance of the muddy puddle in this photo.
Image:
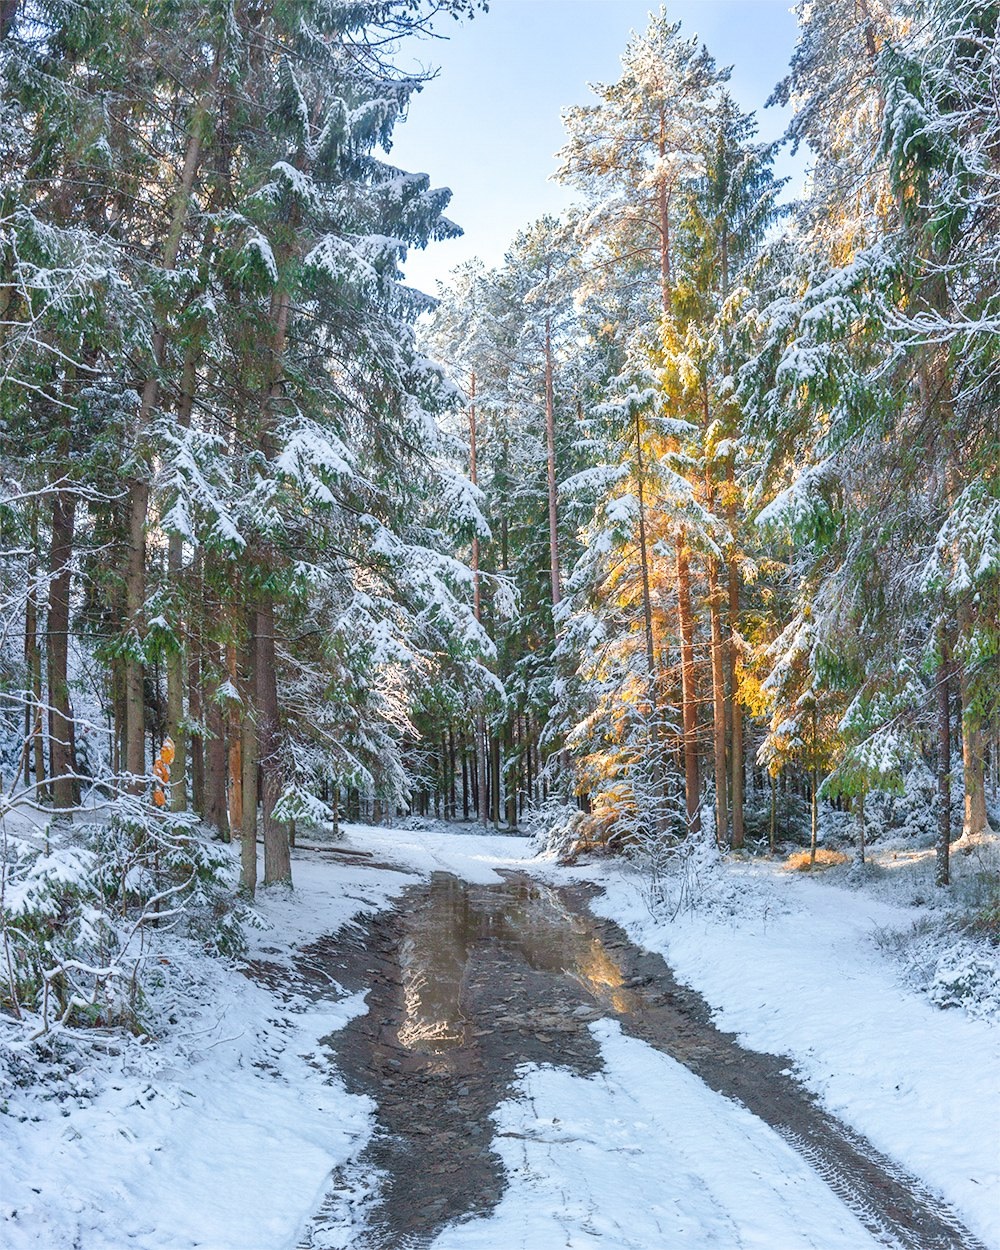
(470, 982)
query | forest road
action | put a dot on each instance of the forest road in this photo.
(466, 983)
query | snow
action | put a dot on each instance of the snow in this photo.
(473, 857)
(791, 967)
(223, 1131)
(599, 1162)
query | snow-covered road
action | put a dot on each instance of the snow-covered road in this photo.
(224, 1132)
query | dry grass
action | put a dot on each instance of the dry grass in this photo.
(799, 860)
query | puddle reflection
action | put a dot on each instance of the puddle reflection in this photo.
(460, 920)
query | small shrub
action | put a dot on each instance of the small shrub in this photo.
(985, 923)
(79, 915)
(966, 978)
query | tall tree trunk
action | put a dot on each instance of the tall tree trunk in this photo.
(942, 875)
(135, 599)
(452, 797)
(196, 739)
(814, 790)
(465, 776)
(34, 755)
(248, 762)
(216, 813)
(550, 440)
(482, 748)
(62, 765)
(647, 601)
(689, 708)
(718, 703)
(138, 489)
(861, 826)
(277, 854)
(732, 652)
(176, 676)
(495, 780)
(237, 715)
(973, 745)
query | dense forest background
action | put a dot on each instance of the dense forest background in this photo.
(684, 520)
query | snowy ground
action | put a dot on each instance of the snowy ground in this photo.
(795, 966)
(223, 1132)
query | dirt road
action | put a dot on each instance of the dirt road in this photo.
(469, 982)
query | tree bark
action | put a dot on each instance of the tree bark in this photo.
(814, 791)
(138, 490)
(495, 780)
(62, 765)
(237, 716)
(732, 652)
(216, 813)
(277, 854)
(550, 441)
(942, 875)
(689, 708)
(34, 755)
(718, 703)
(975, 819)
(176, 681)
(196, 741)
(248, 766)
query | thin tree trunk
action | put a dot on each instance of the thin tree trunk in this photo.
(692, 784)
(216, 813)
(735, 707)
(196, 740)
(814, 792)
(465, 777)
(452, 797)
(973, 746)
(942, 874)
(861, 826)
(176, 679)
(248, 766)
(277, 855)
(62, 765)
(482, 811)
(647, 602)
(495, 780)
(550, 440)
(138, 504)
(236, 718)
(718, 703)
(480, 752)
(35, 756)
(511, 778)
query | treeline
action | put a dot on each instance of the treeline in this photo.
(699, 506)
(741, 459)
(228, 514)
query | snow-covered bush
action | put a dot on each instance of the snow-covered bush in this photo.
(555, 827)
(967, 977)
(80, 908)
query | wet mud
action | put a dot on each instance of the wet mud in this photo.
(470, 982)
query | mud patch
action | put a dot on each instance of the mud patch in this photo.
(468, 983)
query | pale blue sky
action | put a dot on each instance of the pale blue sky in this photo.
(489, 124)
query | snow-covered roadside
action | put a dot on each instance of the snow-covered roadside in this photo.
(221, 1133)
(224, 1131)
(792, 966)
(643, 1155)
